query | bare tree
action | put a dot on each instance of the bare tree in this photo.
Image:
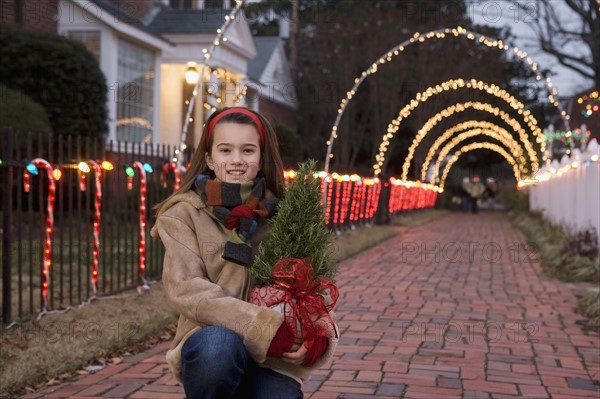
(564, 38)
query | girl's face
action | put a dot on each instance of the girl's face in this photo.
(235, 152)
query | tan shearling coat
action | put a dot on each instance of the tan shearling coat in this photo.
(207, 290)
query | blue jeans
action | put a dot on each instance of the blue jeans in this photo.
(216, 365)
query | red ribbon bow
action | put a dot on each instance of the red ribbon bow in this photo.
(303, 304)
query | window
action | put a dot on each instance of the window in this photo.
(90, 39)
(135, 93)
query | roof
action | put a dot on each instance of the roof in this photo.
(265, 46)
(119, 12)
(121, 15)
(188, 21)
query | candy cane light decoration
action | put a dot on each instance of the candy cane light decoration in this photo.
(32, 168)
(85, 169)
(165, 172)
(143, 168)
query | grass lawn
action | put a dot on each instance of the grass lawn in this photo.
(59, 345)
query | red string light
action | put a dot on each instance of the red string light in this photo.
(142, 213)
(165, 171)
(47, 262)
(329, 184)
(97, 214)
(338, 201)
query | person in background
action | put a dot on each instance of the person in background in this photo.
(465, 195)
(491, 189)
(476, 190)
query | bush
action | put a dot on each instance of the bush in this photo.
(590, 307)
(289, 142)
(58, 73)
(19, 111)
(514, 200)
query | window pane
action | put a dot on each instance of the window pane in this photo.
(135, 93)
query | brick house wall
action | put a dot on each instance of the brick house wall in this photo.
(30, 15)
(277, 113)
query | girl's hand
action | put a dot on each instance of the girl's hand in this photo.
(296, 354)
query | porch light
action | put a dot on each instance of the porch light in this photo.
(191, 74)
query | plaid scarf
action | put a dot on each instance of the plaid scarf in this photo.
(237, 206)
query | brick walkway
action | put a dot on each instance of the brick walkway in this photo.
(456, 308)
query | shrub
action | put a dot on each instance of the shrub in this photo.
(19, 111)
(514, 200)
(289, 142)
(58, 73)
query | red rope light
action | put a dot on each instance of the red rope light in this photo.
(47, 262)
(165, 171)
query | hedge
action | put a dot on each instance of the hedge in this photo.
(58, 73)
(20, 112)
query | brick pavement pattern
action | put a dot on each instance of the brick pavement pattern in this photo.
(455, 308)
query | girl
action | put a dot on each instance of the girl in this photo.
(226, 347)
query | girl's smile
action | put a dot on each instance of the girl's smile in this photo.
(235, 153)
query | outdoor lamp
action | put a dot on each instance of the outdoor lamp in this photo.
(191, 74)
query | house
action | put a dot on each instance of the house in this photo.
(272, 91)
(32, 16)
(146, 47)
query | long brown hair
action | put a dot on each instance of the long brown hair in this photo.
(272, 166)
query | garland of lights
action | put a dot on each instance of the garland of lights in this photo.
(165, 172)
(592, 106)
(471, 124)
(407, 195)
(456, 84)
(207, 56)
(479, 146)
(461, 107)
(555, 170)
(437, 34)
(509, 142)
(32, 168)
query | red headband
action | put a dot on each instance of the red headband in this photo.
(237, 110)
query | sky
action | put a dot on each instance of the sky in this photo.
(505, 13)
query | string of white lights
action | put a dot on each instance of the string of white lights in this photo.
(437, 34)
(208, 53)
(471, 124)
(478, 146)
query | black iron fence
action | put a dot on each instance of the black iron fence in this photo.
(72, 231)
(50, 254)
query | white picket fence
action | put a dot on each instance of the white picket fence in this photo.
(568, 192)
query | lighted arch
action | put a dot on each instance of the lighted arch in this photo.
(461, 107)
(478, 146)
(509, 142)
(437, 34)
(456, 84)
(472, 124)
